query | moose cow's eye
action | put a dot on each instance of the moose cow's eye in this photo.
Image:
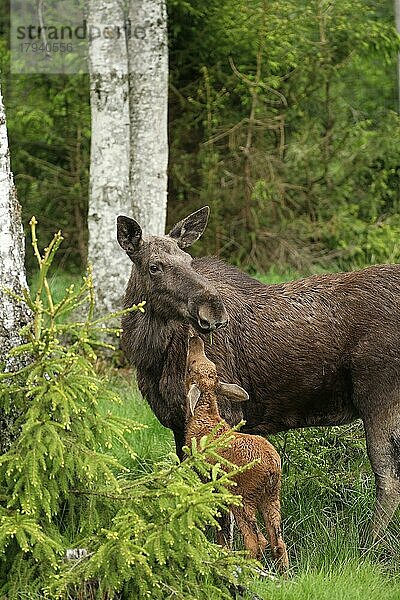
(154, 269)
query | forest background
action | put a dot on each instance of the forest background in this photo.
(283, 117)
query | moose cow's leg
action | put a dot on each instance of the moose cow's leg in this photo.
(383, 444)
(179, 437)
(380, 412)
(376, 395)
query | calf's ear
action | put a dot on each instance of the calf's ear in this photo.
(232, 391)
(191, 228)
(129, 234)
(193, 397)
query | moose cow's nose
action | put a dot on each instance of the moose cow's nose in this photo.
(208, 322)
(207, 310)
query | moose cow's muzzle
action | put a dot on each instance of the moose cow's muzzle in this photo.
(208, 311)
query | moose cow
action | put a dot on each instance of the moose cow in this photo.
(324, 350)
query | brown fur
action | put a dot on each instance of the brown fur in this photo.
(260, 485)
(319, 351)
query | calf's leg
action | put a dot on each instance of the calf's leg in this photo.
(270, 508)
(246, 521)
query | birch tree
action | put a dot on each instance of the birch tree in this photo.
(129, 153)
(148, 95)
(13, 315)
(109, 193)
(12, 270)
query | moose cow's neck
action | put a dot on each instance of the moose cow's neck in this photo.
(146, 338)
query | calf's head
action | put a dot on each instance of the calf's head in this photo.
(201, 376)
(170, 285)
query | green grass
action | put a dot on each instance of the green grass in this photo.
(58, 280)
(152, 444)
(355, 580)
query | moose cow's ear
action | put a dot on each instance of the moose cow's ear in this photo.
(193, 397)
(232, 391)
(129, 234)
(190, 229)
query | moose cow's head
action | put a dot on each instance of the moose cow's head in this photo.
(171, 286)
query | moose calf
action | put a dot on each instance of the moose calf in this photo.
(260, 485)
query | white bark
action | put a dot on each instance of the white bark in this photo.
(13, 315)
(148, 77)
(129, 153)
(12, 270)
(109, 193)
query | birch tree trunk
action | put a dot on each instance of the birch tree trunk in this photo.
(129, 153)
(12, 249)
(148, 91)
(12, 270)
(109, 193)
